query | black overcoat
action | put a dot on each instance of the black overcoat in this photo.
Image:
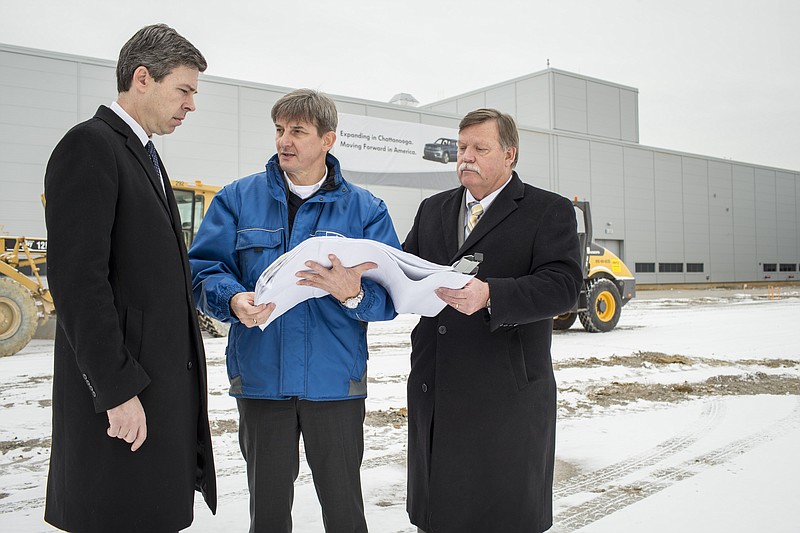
(481, 392)
(119, 275)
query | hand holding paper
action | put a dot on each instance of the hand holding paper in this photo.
(339, 281)
(247, 312)
(409, 280)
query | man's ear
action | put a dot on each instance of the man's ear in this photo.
(328, 140)
(141, 78)
(510, 155)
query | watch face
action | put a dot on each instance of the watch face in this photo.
(352, 303)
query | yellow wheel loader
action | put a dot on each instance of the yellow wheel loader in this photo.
(26, 304)
(607, 283)
(193, 200)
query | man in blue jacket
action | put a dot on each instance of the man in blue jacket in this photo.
(307, 371)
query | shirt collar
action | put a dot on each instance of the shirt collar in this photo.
(130, 121)
(487, 201)
(305, 191)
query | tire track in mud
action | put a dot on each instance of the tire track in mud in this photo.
(712, 414)
(616, 498)
(22, 505)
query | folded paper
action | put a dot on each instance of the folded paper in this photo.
(409, 280)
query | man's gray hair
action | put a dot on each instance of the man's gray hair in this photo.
(508, 135)
(310, 106)
(160, 49)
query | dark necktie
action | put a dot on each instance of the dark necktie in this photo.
(151, 151)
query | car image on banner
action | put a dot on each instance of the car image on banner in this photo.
(444, 150)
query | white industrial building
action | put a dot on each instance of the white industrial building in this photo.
(673, 217)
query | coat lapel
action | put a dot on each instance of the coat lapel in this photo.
(134, 146)
(171, 202)
(502, 206)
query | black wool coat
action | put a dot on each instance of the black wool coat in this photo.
(481, 392)
(119, 275)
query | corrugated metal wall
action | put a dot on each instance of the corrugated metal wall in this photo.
(717, 220)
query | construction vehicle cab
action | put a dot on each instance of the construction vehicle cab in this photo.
(25, 302)
(193, 200)
(607, 282)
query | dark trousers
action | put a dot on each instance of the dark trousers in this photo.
(333, 436)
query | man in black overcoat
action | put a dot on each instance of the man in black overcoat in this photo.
(131, 440)
(481, 392)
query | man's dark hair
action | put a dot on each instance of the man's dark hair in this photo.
(508, 135)
(159, 48)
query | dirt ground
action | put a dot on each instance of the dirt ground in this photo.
(728, 382)
(739, 378)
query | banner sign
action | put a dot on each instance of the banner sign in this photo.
(382, 146)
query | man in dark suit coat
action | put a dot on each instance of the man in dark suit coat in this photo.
(481, 392)
(131, 440)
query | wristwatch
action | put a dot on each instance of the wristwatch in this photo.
(352, 303)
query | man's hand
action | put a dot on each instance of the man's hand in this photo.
(340, 281)
(471, 298)
(127, 422)
(251, 315)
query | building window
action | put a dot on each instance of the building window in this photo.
(645, 267)
(770, 267)
(670, 267)
(788, 267)
(694, 267)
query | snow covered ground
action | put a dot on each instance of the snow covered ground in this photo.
(684, 418)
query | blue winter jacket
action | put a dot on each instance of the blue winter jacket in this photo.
(318, 349)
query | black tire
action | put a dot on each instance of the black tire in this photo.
(18, 318)
(564, 321)
(446, 158)
(212, 326)
(603, 306)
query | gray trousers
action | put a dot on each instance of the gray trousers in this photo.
(333, 437)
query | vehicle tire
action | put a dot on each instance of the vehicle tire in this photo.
(564, 321)
(603, 306)
(18, 318)
(212, 326)
(445, 158)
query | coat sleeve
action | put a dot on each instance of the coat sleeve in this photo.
(216, 273)
(81, 188)
(555, 277)
(376, 305)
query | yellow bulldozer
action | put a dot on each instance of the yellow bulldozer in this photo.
(607, 283)
(25, 302)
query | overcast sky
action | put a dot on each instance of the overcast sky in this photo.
(715, 77)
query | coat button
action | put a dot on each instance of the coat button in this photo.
(442, 330)
(189, 365)
(424, 387)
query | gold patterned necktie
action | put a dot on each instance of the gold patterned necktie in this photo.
(475, 212)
